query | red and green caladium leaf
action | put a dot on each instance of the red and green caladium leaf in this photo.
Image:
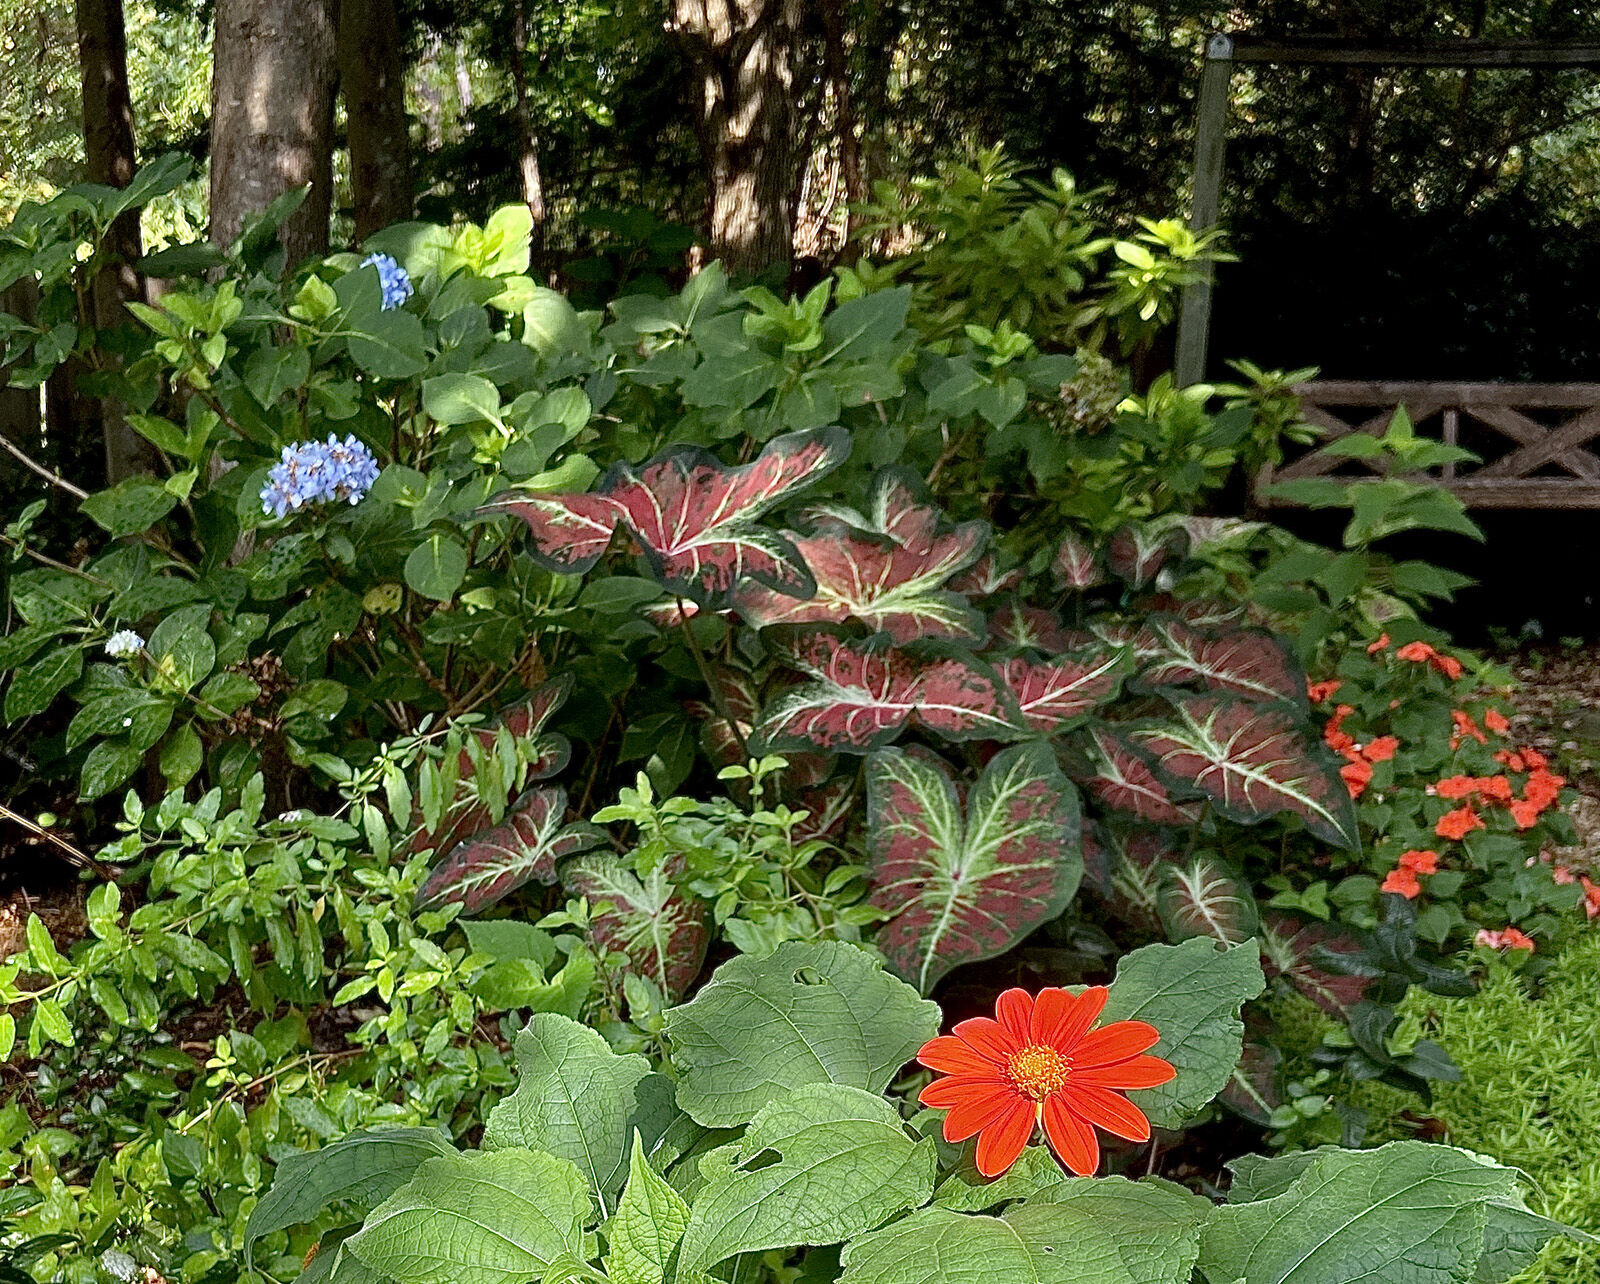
(1253, 1091)
(1252, 761)
(897, 508)
(1135, 859)
(1075, 564)
(1296, 950)
(1019, 627)
(1139, 550)
(1121, 779)
(888, 587)
(1246, 662)
(693, 518)
(1206, 897)
(960, 888)
(863, 696)
(661, 930)
(1051, 693)
(525, 846)
(987, 577)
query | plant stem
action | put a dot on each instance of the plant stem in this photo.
(711, 686)
(55, 479)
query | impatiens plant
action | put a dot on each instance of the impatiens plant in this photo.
(766, 1139)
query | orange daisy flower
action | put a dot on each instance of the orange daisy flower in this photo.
(1457, 824)
(1039, 1062)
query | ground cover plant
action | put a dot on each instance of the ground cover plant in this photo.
(491, 704)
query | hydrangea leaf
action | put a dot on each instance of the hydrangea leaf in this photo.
(809, 1012)
(864, 696)
(1123, 780)
(364, 1168)
(1206, 897)
(1252, 761)
(578, 1099)
(662, 931)
(484, 1217)
(1411, 1212)
(960, 888)
(525, 846)
(1191, 993)
(647, 1227)
(1050, 693)
(1245, 662)
(815, 1166)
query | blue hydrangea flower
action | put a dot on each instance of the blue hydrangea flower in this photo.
(123, 643)
(315, 472)
(394, 279)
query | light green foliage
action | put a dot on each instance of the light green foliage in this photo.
(648, 1225)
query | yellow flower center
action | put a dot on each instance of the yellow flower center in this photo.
(1037, 1071)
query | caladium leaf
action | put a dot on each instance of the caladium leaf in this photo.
(727, 720)
(1298, 951)
(1075, 564)
(897, 508)
(1252, 761)
(1136, 857)
(523, 847)
(888, 587)
(1053, 692)
(1120, 777)
(1018, 627)
(661, 930)
(864, 696)
(987, 577)
(960, 888)
(1253, 1091)
(1246, 662)
(1145, 644)
(827, 807)
(1207, 897)
(1139, 550)
(693, 518)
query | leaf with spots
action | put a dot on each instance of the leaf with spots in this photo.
(1052, 693)
(1121, 779)
(662, 931)
(961, 887)
(1244, 662)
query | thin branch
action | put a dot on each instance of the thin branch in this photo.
(72, 853)
(54, 479)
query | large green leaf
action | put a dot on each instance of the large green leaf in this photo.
(815, 1167)
(820, 1012)
(956, 888)
(1191, 993)
(364, 1168)
(1406, 1213)
(648, 1224)
(486, 1217)
(578, 1099)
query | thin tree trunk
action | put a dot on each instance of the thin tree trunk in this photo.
(109, 150)
(272, 89)
(742, 53)
(834, 60)
(372, 75)
(527, 141)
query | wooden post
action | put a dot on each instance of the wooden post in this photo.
(1211, 135)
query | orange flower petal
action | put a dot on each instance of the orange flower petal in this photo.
(970, 1117)
(942, 1094)
(1120, 1041)
(988, 1037)
(1140, 1072)
(1002, 1141)
(954, 1056)
(1014, 1009)
(1073, 1140)
(1110, 1110)
(1061, 1019)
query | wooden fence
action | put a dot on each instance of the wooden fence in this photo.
(1533, 438)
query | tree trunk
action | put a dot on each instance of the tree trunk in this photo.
(835, 60)
(527, 140)
(109, 151)
(742, 52)
(272, 88)
(372, 76)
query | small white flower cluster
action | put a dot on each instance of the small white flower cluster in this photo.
(123, 643)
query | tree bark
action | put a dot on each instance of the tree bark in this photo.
(272, 89)
(372, 76)
(742, 52)
(835, 60)
(527, 140)
(109, 150)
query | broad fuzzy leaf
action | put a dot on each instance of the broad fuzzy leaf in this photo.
(986, 577)
(1075, 564)
(815, 1166)
(1192, 994)
(647, 1227)
(693, 518)
(1123, 780)
(960, 889)
(888, 587)
(1053, 692)
(1206, 897)
(1018, 627)
(1246, 662)
(1139, 550)
(815, 1012)
(525, 846)
(864, 696)
(1252, 761)
(1296, 950)
(662, 931)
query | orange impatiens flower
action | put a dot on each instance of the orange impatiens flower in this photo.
(1457, 824)
(1420, 862)
(1317, 692)
(1447, 665)
(1496, 721)
(1381, 644)
(1040, 1063)
(1380, 750)
(1403, 882)
(1465, 727)
(1357, 773)
(1416, 652)
(1509, 939)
